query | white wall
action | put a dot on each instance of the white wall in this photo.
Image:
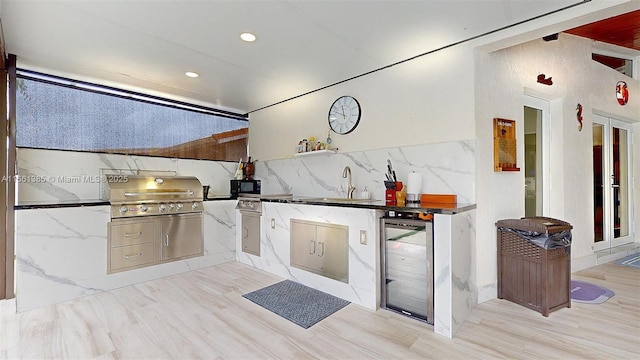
(501, 80)
(417, 102)
(636, 177)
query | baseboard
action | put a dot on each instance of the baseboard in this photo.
(617, 252)
(584, 262)
(487, 292)
(8, 306)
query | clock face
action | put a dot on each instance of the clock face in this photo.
(344, 115)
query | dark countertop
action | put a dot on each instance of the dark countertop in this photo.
(85, 202)
(284, 198)
(433, 208)
(59, 204)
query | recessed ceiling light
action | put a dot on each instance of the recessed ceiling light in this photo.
(192, 74)
(248, 37)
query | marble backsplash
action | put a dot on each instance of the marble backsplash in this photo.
(446, 168)
(50, 175)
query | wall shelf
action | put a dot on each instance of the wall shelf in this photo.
(314, 153)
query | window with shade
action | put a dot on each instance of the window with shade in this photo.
(62, 114)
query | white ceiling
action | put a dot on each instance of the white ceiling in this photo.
(302, 45)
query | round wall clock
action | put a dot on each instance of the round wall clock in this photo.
(344, 115)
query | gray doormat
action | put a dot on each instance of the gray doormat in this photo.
(631, 260)
(297, 303)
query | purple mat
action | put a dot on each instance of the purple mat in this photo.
(583, 292)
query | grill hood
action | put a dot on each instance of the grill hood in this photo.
(127, 189)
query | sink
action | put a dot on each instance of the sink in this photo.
(277, 196)
(337, 200)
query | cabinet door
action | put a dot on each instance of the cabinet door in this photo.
(182, 236)
(303, 245)
(251, 234)
(333, 251)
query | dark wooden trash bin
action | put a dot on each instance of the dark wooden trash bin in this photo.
(530, 275)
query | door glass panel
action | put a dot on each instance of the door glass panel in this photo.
(598, 181)
(620, 186)
(532, 161)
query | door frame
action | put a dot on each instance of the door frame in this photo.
(608, 237)
(7, 196)
(545, 131)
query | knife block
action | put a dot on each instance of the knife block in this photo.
(390, 196)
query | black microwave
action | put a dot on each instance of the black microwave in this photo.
(244, 187)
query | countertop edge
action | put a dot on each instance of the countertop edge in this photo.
(85, 203)
(60, 205)
(380, 205)
(373, 204)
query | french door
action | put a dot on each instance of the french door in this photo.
(536, 156)
(612, 151)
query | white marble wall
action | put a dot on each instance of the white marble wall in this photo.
(61, 253)
(454, 271)
(52, 175)
(219, 232)
(446, 168)
(364, 275)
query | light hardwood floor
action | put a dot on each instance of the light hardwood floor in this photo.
(202, 315)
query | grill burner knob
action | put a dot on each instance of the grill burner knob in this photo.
(144, 208)
(179, 206)
(171, 206)
(123, 209)
(162, 207)
(194, 205)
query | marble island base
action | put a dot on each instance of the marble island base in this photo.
(454, 277)
(61, 253)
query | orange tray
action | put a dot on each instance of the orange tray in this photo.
(449, 199)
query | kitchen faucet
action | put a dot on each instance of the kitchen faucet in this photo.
(346, 173)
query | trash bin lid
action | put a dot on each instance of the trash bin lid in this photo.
(538, 224)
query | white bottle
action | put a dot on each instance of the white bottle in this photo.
(366, 195)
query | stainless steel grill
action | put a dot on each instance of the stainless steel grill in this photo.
(136, 195)
(154, 219)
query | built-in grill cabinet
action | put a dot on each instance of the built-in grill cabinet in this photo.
(153, 220)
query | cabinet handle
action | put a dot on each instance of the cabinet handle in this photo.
(321, 248)
(133, 234)
(166, 240)
(132, 256)
(312, 247)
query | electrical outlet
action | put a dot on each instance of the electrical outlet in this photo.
(363, 237)
(273, 223)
